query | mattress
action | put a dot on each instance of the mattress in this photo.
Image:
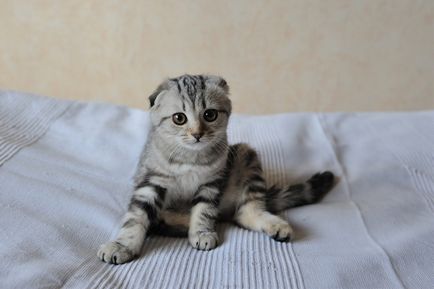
(66, 178)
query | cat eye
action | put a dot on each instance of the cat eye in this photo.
(210, 115)
(179, 118)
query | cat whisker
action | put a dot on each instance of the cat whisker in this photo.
(175, 150)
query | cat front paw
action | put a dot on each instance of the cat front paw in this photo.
(204, 240)
(280, 231)
(115, 253)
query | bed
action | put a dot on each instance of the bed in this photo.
(66, 175)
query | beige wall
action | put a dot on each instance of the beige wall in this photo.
(276, 55)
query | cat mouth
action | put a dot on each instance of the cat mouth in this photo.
(197, 144)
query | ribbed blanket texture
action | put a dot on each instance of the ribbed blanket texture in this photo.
(66, 178)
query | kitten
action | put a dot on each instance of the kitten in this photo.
(188, 176)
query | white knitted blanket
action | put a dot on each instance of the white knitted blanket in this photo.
(65, 181)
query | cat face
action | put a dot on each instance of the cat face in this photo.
(191, 111)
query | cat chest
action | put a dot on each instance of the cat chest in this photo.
(186, 185)
(186, 179)
(190, 181)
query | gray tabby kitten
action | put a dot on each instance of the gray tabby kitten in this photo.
(188, 176)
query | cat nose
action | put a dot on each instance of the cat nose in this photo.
(197, 135)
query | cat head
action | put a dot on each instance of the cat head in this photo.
(191, 110)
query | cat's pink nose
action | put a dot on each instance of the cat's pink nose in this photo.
(197, 135)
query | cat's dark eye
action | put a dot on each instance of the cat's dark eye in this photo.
(210, 115)
(179, 118)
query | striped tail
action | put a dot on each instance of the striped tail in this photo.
(312, 191)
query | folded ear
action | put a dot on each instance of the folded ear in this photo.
(165, 85)
(218, 81)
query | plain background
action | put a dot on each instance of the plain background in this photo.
(277, 55)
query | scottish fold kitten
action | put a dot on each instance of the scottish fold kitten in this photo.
(188, 176)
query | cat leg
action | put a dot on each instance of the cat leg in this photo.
(143, 210)
(252, 215)
(202, 233)
(251, 210)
